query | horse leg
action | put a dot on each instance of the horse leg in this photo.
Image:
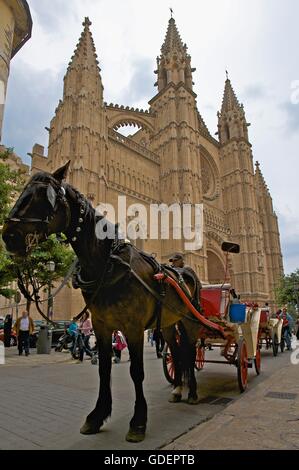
(192, 396)
(169, 335)
(138, 422)
(103, 408)
(176, 394)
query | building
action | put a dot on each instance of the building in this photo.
(15, 30)
(172, 158)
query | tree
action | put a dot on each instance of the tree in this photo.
(34, 267)
(288, 291)
(11, 182)
(6, 274)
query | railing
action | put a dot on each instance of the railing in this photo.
(129, 143)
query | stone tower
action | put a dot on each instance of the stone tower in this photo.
(271, 236)
(239, 197)
(171, 158)
(176, 137)
(79, 131)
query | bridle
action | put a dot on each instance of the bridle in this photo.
(55, 195)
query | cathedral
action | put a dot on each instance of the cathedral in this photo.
(171, 158)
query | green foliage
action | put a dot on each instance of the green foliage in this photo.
(11, 182)
(6, 274)
(50, 250)
(287, 293)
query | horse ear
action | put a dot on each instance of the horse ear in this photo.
(62, 172)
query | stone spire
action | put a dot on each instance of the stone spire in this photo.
(79, 130)
(231, 120)
(230, 101)
(260, 180)
(173, 41)
(84, 60)
(174, 63)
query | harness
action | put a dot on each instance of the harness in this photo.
(93, 287)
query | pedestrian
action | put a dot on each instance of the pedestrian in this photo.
(72, 330)
(287, 327)
(7, 330)
(297, 325)
(159, 342)
(118, 345)
(24, 327)
(85, 327)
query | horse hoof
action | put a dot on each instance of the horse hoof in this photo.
(136, 435)
(175, 398)
(193, 401)
(88, 429)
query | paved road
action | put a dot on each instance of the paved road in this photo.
(43, 405)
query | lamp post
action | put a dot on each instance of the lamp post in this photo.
(50, 269)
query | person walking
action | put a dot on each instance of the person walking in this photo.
(287, 327)
(118, 344)
(85, 326)
(297, 325)
(24, 327)
(7, 330)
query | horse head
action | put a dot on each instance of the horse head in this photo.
(42, 209)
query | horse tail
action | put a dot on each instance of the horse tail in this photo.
(186, 353)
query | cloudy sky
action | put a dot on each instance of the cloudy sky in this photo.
(256, 41)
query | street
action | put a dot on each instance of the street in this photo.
(45, 399)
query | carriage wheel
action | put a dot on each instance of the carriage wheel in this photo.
(200, 358)
(274, 344)
(257, 361)
(242, 365)
(168, 365)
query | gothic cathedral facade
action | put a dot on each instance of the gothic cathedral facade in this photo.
(172, 158)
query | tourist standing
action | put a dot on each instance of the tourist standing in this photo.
(24, 327)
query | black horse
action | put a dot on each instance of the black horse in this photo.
(117, 283)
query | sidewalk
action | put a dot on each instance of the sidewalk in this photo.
(12, 358)
(267, 417)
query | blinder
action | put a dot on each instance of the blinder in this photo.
(52, 197)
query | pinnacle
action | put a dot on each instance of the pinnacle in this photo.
(260, 176)
(86, 23)
(173, 41)
(230, 100)
(85, 52)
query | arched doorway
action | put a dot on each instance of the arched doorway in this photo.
(215, 268)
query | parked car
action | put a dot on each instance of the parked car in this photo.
(13, 337)
(57, 331)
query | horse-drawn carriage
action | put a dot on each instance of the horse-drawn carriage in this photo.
(270, 331)
(239, 344)
(114, 278)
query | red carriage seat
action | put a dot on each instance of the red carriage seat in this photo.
(210, 301)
